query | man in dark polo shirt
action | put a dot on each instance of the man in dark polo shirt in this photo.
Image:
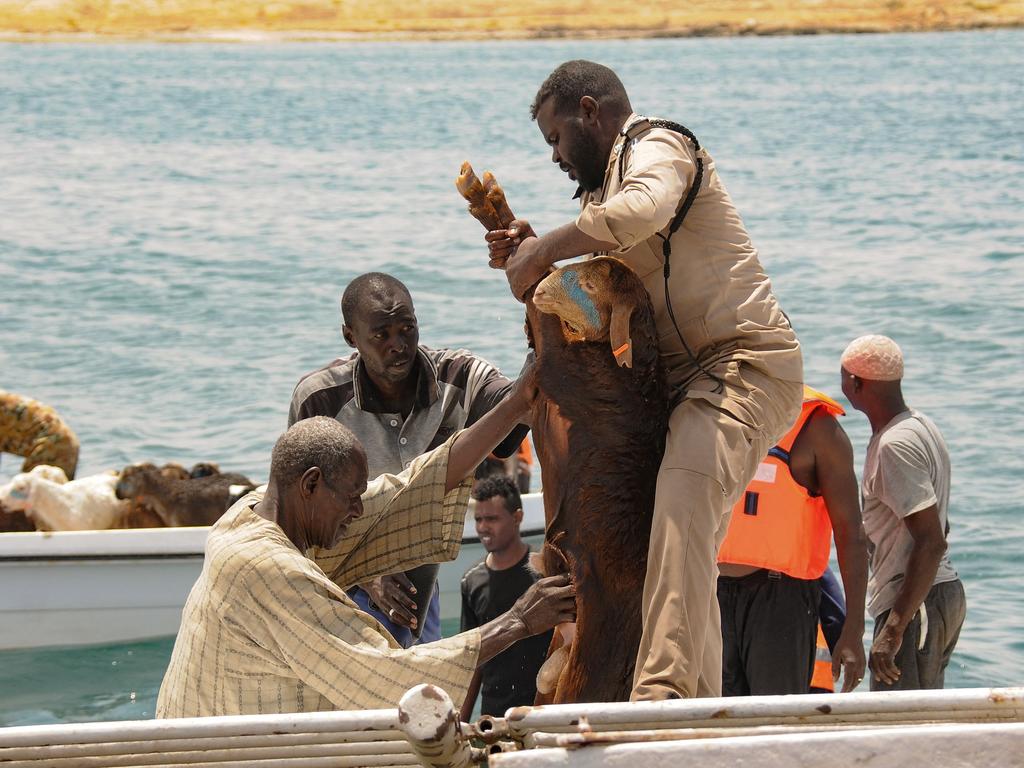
(493, 585)
(401, 400)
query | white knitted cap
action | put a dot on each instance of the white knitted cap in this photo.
(874, 357)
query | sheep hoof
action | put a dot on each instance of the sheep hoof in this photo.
(551, 670)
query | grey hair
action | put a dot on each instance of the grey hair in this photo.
(319, 441)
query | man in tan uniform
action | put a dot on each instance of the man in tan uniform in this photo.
(730, 355)
(268, 629)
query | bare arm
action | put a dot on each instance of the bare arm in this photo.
(833, 457)
(549, 601)
(466, 711)
(922, 565)
(474, 443)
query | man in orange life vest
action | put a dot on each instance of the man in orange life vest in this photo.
(776, 549)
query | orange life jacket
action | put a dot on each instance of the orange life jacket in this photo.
(524, 453)
(821, 679)
(777, 525)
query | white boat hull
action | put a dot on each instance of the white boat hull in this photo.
(88, 587)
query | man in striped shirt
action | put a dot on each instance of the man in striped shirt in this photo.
(400, 399)
(268, 629)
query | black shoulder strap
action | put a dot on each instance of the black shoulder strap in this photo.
(630, 133)
(642, 126)
(697, 179)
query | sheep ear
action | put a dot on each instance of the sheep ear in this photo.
(618, 334)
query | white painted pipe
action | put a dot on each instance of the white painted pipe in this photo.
(200, 727)
(186, 745)
(543, 740)
(356, 761)
(226, 753)
(998, 703)
(860, 720)
(432, 726)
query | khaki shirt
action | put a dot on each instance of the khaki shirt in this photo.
(721, 297)
(265, 630)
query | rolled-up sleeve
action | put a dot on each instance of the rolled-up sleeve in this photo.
(661, 169)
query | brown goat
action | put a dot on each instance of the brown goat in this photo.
(12, 521)
(141, 515)
(181, 502)
(599, 428)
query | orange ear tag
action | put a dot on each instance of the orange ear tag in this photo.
(621, 350)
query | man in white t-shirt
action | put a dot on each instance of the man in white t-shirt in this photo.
(914, 593)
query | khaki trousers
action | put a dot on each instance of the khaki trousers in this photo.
(714, 444)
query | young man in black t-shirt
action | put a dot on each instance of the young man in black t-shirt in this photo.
(490, 588)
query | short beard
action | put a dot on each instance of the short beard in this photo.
(587, 159)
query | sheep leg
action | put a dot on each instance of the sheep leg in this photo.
(601, 660)
(472, 189)
(496, 197)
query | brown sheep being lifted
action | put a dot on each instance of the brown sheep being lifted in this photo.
(599, 428)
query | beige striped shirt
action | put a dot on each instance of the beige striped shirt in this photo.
(265, 630)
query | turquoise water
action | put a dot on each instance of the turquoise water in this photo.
(177, 222)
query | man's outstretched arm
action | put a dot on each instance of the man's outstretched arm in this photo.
(833, 455)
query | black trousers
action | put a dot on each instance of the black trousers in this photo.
(769, 632)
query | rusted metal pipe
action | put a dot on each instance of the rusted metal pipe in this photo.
(432, 726)
(490, 729)
(542, 740)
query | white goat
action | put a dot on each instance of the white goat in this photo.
(76, 505)
(14, 496)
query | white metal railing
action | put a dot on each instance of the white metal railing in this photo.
(895, 729)
(423, 730)
(878, 730)
(957, 705)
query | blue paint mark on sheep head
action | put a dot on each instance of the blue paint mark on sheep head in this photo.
(575, 293)
(14, 496)
(566, 294)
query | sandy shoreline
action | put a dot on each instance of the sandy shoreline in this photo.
(255, 36)
(380, 20)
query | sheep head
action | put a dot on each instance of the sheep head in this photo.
(14, 496)
(204, 469)
(595, 300)
(133, 480)
(174, 471)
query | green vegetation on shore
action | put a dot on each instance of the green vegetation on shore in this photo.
(448, 19)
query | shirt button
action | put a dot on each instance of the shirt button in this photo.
(394, 422)
(403, 440)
